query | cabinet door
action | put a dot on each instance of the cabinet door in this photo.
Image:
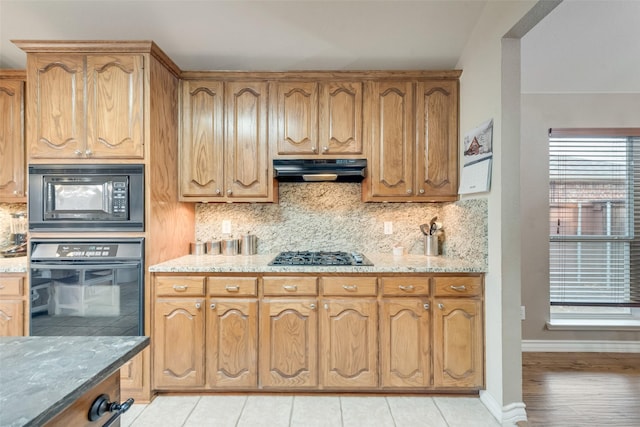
(55, 106)
(246, 144)
(232, 343)
(11, 318)
(458, 343)
(349, 352)
(178, 339)
(201, 147)
(288, 343)
(297, 117)
(390, 109)
(405, 342)
(12, 172)
(340, 122)
(115, 100)
(437, 144)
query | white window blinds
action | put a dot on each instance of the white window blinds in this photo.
(594, 256)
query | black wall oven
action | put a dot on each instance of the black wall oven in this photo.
(101, 197)
(85, 287)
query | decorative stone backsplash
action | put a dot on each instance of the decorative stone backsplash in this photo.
(6, 209)
(331, 216)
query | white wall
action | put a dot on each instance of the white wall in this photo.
(539, 113)
(481, 96)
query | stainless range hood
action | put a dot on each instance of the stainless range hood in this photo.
(315, 170)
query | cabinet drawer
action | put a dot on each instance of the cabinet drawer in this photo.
(172, 286)
(232, 286)
(458, 286)
(349, 286)
(405, 285)
(11, 286)
(290, 285)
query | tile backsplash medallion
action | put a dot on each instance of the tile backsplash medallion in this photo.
(6, 209)
(331, 216)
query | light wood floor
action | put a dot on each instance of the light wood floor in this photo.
(581, 389)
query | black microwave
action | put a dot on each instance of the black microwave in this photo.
(86, 197)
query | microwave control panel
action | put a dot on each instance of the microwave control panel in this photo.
(87, 251)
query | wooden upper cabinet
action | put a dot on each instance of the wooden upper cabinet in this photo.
(115, 100)
(437, 139)
(296, 117)
(202, 143)
(318, 118)
(390, 129)
(12, 158)
(85, 106)
(247, 161)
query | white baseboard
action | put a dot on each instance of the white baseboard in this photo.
(507, 415)
(581, 346)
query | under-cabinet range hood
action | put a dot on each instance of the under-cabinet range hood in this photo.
(314, 170)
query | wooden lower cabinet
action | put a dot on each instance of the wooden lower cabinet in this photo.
(349, 337)
(179, 343)
(289, 343)
(458, 343)
(231, 343)
(13, 311)
(405, 341)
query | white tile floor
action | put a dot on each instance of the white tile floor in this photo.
(309, 411)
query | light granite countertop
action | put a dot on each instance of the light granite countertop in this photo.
(13, 265)
(382, 263)
(42, 376)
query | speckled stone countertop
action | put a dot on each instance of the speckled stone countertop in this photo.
(382, 263)
(42, 376)
(13, 265)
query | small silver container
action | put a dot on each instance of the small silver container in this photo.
(196, 248)
(431, 245)
(249, 244)
(230, 246)
(213, 247)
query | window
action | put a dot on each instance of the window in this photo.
(594, 255)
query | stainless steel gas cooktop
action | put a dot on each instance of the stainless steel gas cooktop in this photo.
(320, 258)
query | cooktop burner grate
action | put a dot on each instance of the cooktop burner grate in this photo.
(320, 258)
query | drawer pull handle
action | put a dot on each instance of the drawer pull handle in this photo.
(406, 288)
(290, 288)
(232, 288)
(350, 288)
(213, 306)
(426, 306)
(461, 288)
(180, 288)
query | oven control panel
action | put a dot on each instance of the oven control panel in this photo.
(87, 251)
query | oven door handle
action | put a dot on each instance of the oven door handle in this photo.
(61, 265)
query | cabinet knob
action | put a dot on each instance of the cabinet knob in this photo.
(198, 305)
(314, 149)
(421, 191)
(88, 153)
(441, 306)
(229, 192)
(77, 153)
(218, 191)
(325, 149)
(409, 191)
(426, 306)
(212, 306)
(16, 192)
(326, 306)
(406, 288)
(312, 306)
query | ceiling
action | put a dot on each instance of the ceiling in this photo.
(257, 35)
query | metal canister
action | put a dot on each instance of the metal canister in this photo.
(230, 246)
(249, 244)
(196, 248)
(213, 247)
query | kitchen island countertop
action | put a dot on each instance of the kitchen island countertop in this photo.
(13, 265)
(383, 263)
(41, 376)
